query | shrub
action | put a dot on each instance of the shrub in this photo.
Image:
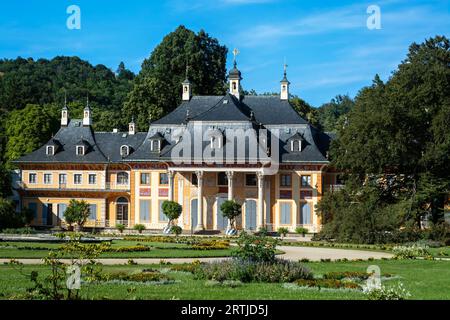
(253, 271)
(77, 212)
(137, 248)
(301, 230)
(120, 227)
(283, 231)
(255, 248)
(144, 276)
(10, 219)
(384, 293)
(347, 274)
(262, 232)
(177, 230)
(25, 230)
(410, 252)
(172, 210)
(188, 267)
(327, 283)
(139, 227)
(211, 245)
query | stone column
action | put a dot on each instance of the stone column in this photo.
(199, 225)
(170, 175)
(261, 222)
(230, 175)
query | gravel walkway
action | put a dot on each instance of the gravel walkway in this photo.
(290, 253)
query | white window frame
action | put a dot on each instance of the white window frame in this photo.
(299, 145)
(151, 145)
(89, 178)
(47, 151)
(74, 181)
(51, 178)
(82, 152)
(35, 175)
(120, 183)
(59, 178)
(308, 183)
(124, 154)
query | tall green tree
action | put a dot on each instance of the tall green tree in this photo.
(157, 88)
(399, 131)
(333, 114)
(27, 129)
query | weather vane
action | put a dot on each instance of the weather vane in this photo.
(235, 53)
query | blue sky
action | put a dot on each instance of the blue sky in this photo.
(327, 45)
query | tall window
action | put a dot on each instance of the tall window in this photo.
(92, 178)
(144, 210)
(77, 178)
(296, 145)
(47, 178)
(305, 213)
(124, 151)
(285, 180)
(222, 179)
(50, 150)
(145, 178)
(33, 207)
(92, 212)
(194, 179)
(285, 213)
(155, 145)
(62, 178)
(250, 180)
(32, 178)
(163, 178)
(122, 178)
(306, 181)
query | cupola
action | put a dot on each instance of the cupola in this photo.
(234, 78)
(187, 88)
(87, 114)
(284, 93)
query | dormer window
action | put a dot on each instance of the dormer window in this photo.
(124, 151)
(80, 150)
(296, 145)
(50, 150)
(155, 145)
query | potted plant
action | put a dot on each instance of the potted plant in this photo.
(172, 211)
(283, 232)
(231, 210)
(120, 227)
(139, 227)
(301, 230)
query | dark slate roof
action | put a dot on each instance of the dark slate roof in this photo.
(227, 109)
(110, 143)
(102, 147)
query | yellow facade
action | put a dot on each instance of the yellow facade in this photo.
(287, 201)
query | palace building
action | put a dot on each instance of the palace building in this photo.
(254, 149)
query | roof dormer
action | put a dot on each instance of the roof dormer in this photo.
(296, 143)
(156, 142)
(124, 151)
(52, 147)
(82, 147)
(216, 138)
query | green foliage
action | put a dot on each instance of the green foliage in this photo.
(283, 231)
(332, 115)
(27, 129)
(139, 227)
(172, 210)
(253, 271)
(397, 292)
(402, 125)
(55, 285)
(327, 283)
(255, 248)
(177, 230)
(301, 230)
(157, 88)
(120, 227)
(9, 218)
(231, 210)
(410, 252)
(77, 212)
(305, 110)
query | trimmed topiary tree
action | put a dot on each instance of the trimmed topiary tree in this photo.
(176, 230)
(172, 211)
(231, 210)
(76, 213)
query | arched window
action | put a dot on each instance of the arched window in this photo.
(296, 145)
(124, 150)
(122, 178)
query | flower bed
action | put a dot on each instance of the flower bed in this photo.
(189, 267)
(327, 283)
(144, 276)
(211, 245)
(253, 271)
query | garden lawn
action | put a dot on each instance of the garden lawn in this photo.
(424, 279)
(9, 250)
